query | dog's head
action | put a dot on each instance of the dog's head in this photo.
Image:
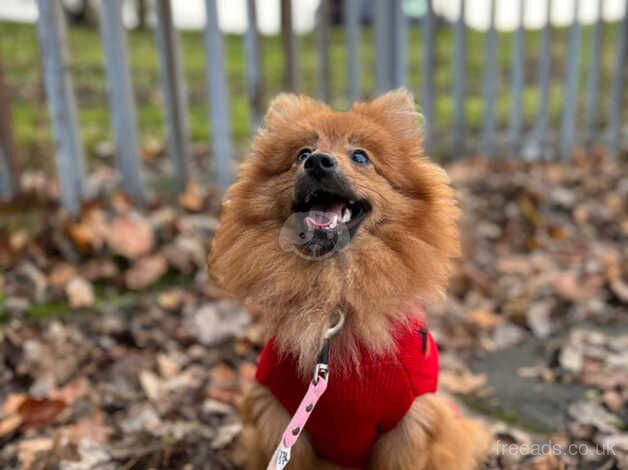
(337, 208)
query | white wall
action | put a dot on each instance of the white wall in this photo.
(477, 12)
(190, 14)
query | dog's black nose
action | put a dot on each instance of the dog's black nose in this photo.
(318, 165)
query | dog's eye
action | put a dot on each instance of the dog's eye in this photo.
(303, 154)
(360, 157)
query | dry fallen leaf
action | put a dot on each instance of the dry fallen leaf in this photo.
(193, 197)
(171, 299)
(92, 456)
(29, 448)
(40, 411)
(151, 384)
(538, 316)
(168, 365)
(225, 435)
(61, 274)
(145, 272)
(570, 287)
(80, 293)
(215, 322)
(82, 236)
(620, 289)
(12, 403)
(483, 319)
(92, 428)
(130, 235)
(462, 382)
(71, 392)
(10, 424)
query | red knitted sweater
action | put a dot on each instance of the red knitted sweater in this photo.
(357, 407)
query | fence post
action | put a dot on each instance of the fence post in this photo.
(568, 131)
(324, 72)
(352, 31)
(460, 59)
(289, 44)
(390, 44)
(121, 97)
(174, 90)
(618, 89)
(539, 144)
(254, 75)
(218, 97)
(518, 78)
(9, 174)
(69, 152)
(490, 83)
(428, 75)
(399, 52)
(382, 46)
(593, 82)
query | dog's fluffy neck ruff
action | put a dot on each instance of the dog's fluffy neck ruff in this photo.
(302, 337)
(298, 326)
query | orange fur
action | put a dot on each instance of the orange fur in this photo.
(402, 253)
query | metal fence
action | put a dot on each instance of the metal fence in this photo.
(391, 69)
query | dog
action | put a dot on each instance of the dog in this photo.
(341, 214)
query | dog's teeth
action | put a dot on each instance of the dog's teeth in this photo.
(346, 215)
(333, 223)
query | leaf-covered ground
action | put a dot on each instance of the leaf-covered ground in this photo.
(117, 352)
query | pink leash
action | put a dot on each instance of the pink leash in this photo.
(315, 391)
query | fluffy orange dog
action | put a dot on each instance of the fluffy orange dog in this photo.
(341, 213)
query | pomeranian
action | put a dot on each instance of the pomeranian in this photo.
(339, 215)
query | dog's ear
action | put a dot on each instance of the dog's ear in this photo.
(286, 107)
(395, 110)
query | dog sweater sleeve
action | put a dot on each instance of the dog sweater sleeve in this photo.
(416, 374)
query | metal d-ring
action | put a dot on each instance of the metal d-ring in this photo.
(335, 328)
(322, 367)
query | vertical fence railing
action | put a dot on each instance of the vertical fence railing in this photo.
(593, 81)
(382, 46)
(9, 174)
(618, 90)
(459, 73)
(352, 31)
(69, 151)
(324, 42)
(390, 45)
(539, 137)
(518, 77)
(254, 71)
(428, 91)
(570, 100)
(400, 52)
(121, 98)
(289, 45)
(490, 83)
(218, 97)
(174, 90)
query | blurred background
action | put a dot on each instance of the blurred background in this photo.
(121, 124)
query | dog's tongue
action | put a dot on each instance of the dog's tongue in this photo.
(324, 216)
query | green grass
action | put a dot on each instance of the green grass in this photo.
(20, 54)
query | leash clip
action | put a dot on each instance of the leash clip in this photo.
(320, 371)
(322, 364)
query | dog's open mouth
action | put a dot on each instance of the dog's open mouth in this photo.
(327, 219)
(325, 211)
